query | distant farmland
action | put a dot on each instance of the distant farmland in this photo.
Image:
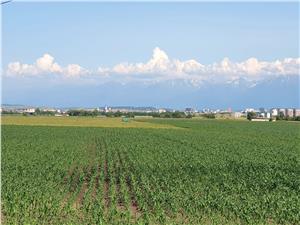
(201, 172)
(80, 122)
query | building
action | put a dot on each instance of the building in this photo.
(107, 109)
(249, 110)
(262, 110)
(190, 111)
(282, 112)
(206, 111)
(296, 112)
(29, 110)
(48, 110)
(274, 112)
(162, 110)
(236, 114)
(289, 112)
(260, 119)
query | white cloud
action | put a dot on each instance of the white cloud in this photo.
(47, 64)
(16, 68)
(161, 67)
(74, 70)
(43, 66)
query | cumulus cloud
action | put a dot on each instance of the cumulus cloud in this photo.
(43, 66)
(164, 68)
(160, 67)
(159, 64)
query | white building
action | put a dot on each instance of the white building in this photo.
(236, 114)
(259, 119)
(29, 110)
(289, 112)
(48, 110)
(162, 110)
(283, 111)
(274, 112)
(250, 110)
(107, 109)
(296, 112)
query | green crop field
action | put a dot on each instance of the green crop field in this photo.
(206, 172)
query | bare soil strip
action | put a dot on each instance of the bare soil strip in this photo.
(120, 202)
(79, 198)
(2, 220)
(106, 183)
(69, 174)
(96, 187)
(73, 179)
(134, 208)
(87, 178)
(106, 187)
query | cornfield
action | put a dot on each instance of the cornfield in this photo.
(207, 172)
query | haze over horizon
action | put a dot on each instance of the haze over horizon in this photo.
(174, 55)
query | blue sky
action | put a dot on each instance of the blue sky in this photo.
(104, 35)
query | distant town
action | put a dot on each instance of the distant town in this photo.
(260, 114)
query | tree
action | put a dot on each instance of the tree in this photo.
(251, 115)
(118, 114)
(280, 116)
(189, 116)
(37, 111)
(209, 115)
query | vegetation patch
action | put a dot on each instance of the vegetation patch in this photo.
(214, 172)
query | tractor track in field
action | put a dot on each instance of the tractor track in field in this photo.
(79, 180)
(97, 182)
(70, 173)
(73, 177)
(106, 186)
(2, 220)
(69, 178)
(88, 172)
(84, 187)
(134, 207)
(120, 201)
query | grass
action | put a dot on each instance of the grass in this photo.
(79, 122)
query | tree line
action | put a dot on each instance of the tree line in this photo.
(176, 114)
